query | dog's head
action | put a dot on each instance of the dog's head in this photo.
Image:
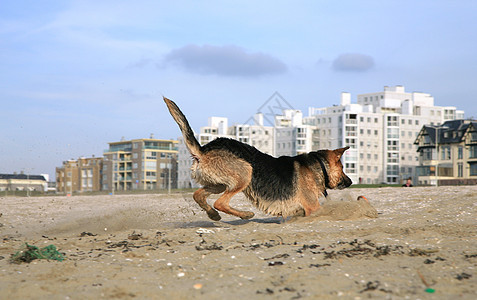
(337, 179)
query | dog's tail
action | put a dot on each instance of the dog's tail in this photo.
(189, 138)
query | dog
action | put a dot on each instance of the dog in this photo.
(284, 186)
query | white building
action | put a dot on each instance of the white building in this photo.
(380, 129)
(257, 135)
(292, 136)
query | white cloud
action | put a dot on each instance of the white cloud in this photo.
(225, 60)
(353, 62)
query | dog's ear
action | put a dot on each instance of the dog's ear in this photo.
(339, 152)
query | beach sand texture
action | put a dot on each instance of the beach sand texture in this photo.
(423, 244)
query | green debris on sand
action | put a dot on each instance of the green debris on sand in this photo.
(31, 253)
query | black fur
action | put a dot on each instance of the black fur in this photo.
(272, 178)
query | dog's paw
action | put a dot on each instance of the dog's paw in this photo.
(247, 215)
(214, 215)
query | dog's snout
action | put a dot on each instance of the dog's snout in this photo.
(345, 182)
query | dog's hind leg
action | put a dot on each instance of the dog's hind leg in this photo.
(222, 203)
(200, 196)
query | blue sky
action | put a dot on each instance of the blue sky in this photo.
(75, 75)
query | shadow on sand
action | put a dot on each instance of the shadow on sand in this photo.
(211, 224)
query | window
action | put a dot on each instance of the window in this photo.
(446, 153)
(460, 152)
(427, 154)
(393, 133)
(393, 146)
(392, 121)
(473, 151)
(350, 168)
(460, 170)
(151, 165)
(473, 169)
(351, 143)
(393, 158)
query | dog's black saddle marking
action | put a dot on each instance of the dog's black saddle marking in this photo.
(273, 178)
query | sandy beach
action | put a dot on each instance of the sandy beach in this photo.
(422, 245)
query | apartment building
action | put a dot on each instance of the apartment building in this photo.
(447, 153)
(80, 175)
(144, 164)
(257, 134)
(292, 135)
(380, 130)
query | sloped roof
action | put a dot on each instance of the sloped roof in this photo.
(450, 132)
(22, 176)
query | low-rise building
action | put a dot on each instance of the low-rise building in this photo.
(447, 153)
(80, 175)
(23, 182)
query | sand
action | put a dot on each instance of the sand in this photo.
(422, 245)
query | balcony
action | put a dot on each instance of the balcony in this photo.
(127, 149)
(160, 148)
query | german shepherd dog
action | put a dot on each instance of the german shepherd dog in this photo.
(283, 186)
